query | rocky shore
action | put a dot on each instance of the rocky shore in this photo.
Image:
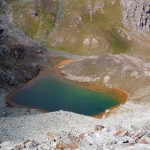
(122, 128)
(7, 111)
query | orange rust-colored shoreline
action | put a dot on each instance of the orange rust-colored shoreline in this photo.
(118, 94)
(29, 84)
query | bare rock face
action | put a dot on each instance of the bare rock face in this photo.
(20, 57)
(136, 15)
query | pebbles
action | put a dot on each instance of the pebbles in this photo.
(100, 138)
(121, 129)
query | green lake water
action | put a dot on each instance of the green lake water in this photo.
(52, 94)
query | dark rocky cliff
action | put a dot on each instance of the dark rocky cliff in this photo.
(21, 58)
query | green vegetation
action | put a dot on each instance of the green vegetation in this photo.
(36, 18)
(118, 43)
(86, 28)
(90, 25)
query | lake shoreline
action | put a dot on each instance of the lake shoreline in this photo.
(119, 94)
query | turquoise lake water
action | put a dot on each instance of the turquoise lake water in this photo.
(52, 94)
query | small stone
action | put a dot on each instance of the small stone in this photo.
(84, 143)
(144, 141)
(25, 143)
(98, 127)
(104, 116)
(49, 135)
(60, 146)
(107, 111)
(79, 137)
(121, 133)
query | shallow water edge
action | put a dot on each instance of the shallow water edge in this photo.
(119, 94)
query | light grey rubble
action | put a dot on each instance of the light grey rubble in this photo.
(39, 127)
(44, 130)
(99, 138)
(11, 111)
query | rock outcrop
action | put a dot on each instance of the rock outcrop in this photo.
(137, 15)
(20, 57)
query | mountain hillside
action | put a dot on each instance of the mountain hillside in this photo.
(87, 27)
(103, 42)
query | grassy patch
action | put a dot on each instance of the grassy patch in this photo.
(117, 42)
(99, 27)
(39, 26)
(95, 27)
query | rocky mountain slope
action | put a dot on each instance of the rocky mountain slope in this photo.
(21, 58)
(116, 36)
(86, 27)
